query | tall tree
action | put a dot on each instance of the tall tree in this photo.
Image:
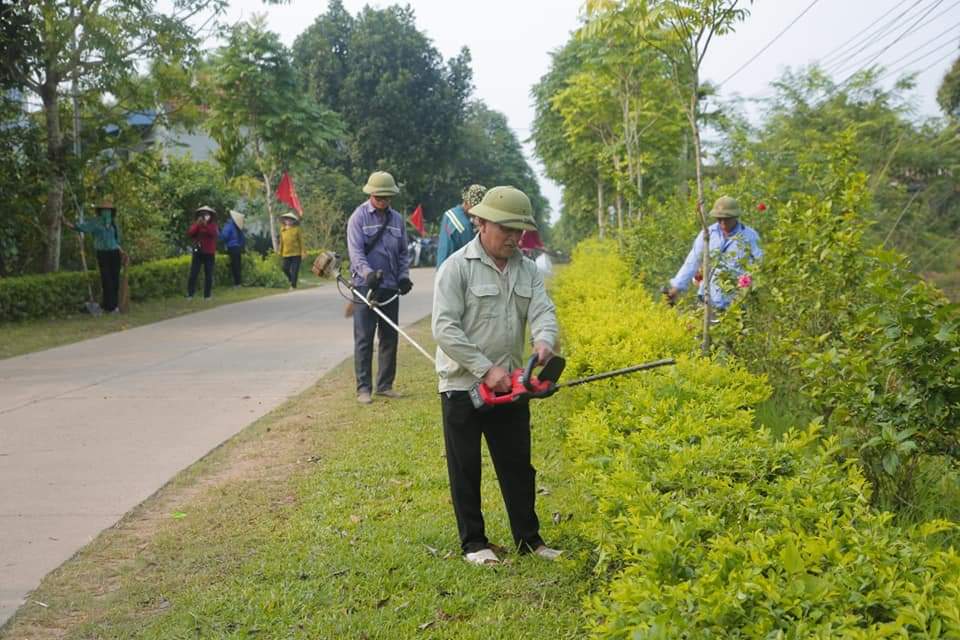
(681, 30)
(258, 108)
(403, 105)
(489, 153)
(948, 96)
(90, 49)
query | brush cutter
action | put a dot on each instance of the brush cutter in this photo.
(524, 385)
(328, 264)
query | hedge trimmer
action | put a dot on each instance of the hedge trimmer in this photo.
(524, 385)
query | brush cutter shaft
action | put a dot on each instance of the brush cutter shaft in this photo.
(376, 309)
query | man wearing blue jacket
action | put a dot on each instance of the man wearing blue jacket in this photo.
(732, 245)
(456, 225)
(234, 240)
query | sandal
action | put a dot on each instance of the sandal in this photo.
(482, 557)
(546, 552)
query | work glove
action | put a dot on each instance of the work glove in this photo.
(373, 279)
(404, 285)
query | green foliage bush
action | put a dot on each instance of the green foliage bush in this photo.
(833, 319)
(705, 527)
(868, 343)
(60, 294)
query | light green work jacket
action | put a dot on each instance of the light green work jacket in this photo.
(480, 315)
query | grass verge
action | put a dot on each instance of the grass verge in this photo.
(18, 338)
(324, 519)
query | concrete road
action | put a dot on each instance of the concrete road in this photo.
(90, 430)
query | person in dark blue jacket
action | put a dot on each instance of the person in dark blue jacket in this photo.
(233, 239)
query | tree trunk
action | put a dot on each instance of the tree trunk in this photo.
(684, 163)
(705, 264)
(620, 220)
(273, 221)
(56, 159)
(601, 214)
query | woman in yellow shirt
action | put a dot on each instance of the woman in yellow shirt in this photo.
(291, 247)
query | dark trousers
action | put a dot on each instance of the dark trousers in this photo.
(366, 323)
(507, 431)
(236, 264)
(109, 264)
(205, 259)
(291, 267)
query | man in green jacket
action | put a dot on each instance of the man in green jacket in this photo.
(484, 297)
(106, 241)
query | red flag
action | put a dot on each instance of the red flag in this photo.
(416, 219)
(288, 195)
(531, 240)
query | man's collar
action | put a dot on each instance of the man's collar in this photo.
(371, 209)
(475, 251)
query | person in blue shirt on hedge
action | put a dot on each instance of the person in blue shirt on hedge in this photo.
(232, 237)
(732, 245)
(106, 241)
(456, 225)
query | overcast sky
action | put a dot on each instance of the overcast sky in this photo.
(510, 42)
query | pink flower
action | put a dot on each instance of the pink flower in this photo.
(744, 281)
(761, 207)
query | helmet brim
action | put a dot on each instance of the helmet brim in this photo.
(375, 191)
(510, 221)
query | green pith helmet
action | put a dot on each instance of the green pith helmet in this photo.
(507, 206)
(381, 183)
(473, 195)
(725, 207)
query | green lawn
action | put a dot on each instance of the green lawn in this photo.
(325, 519)
(18, 338)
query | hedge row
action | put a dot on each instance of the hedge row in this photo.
(704, 525)
(60, 294)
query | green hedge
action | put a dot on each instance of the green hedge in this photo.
(705, 526)
(61, 294)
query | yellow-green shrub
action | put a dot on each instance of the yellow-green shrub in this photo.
(706, 528)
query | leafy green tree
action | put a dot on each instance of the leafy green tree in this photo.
(259, 111)
(402, 104)
(681, 30)
(91, 49)
(576, 169)
(489, 153)
(948, 96)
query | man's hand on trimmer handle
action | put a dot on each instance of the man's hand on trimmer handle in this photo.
(498, 379)
(544, 352)
(373, 279)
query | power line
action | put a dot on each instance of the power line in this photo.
(870, 38)
(849, 53)
(935, 63)
(914, 30)
(950, 42)
(906, 32)
(769, 44)
(843, 45)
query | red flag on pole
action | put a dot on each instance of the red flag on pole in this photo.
(416, 219)
(288, 195)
